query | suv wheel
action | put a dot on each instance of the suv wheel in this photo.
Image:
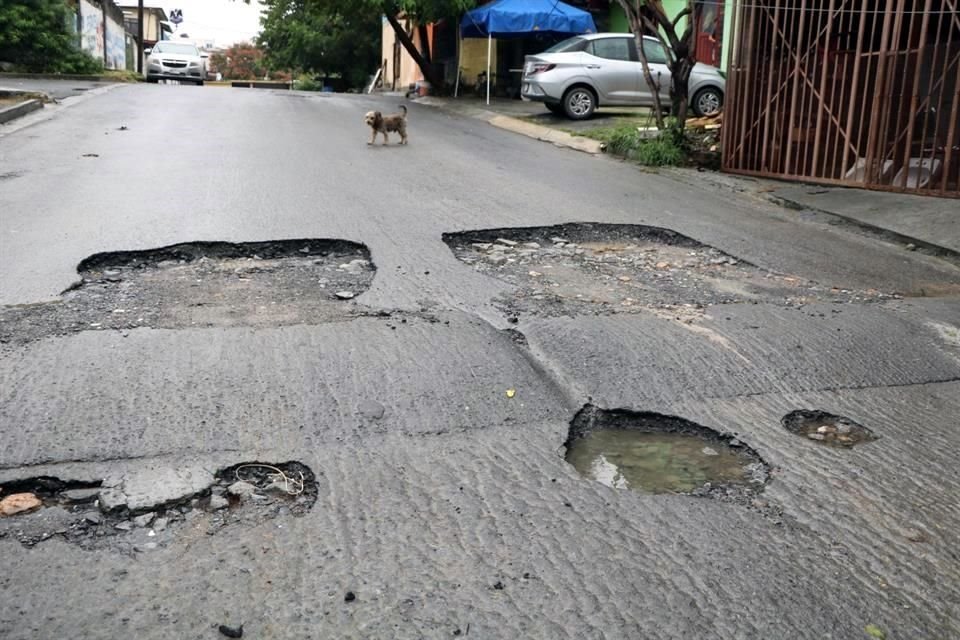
(707, 102)
(579, 103)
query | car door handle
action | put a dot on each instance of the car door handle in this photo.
(593, 66)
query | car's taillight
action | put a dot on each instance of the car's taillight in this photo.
(540, 68)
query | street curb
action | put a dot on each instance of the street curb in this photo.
(63, 76)
(524, 128)
(870, 229)
(546, 134)
(19, 110)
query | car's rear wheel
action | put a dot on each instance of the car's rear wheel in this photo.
(199, 83)
(579, 103)
(707, 102)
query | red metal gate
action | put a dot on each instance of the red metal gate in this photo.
(853, 92)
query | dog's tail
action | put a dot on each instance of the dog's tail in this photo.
(404, 110)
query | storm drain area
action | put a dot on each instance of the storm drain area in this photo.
(601, 268)
(656, 454)
(204, 284)
(36, 509)
(826, 428)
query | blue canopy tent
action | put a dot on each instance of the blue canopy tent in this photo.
(514, 18)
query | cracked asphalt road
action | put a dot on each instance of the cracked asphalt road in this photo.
(452, 512)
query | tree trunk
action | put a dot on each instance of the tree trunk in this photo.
(633, 16)
(424, 43)
(411, 48)
(679, 90)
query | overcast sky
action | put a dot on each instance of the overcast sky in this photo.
(223, 21)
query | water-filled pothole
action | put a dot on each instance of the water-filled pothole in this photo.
(246, 494)
(589, 268)
(826, 428)
(654, 453)
(203, 284)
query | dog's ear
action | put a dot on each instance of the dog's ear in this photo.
(377, 115)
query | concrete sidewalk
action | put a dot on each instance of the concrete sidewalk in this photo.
(933, 223)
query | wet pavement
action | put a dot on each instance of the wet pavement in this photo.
(443, 414)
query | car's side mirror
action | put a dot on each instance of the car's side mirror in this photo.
(147, 51)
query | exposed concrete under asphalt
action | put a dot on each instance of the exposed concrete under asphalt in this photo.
(445, 504)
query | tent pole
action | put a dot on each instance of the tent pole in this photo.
(456, 86)
(489, 48)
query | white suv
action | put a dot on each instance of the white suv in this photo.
(175, 61)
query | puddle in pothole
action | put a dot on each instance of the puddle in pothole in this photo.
(37, 509)
(826, 428)
(653, 453)
(590, 268)
(203, 284)
(655, 462)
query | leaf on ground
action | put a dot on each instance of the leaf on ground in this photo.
(875, 632)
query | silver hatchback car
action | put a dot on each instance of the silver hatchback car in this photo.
(577, 75)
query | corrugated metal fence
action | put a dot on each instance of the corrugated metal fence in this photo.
(855, 92)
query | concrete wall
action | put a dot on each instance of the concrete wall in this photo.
(105, 40)
(116, 44)
(91, 29)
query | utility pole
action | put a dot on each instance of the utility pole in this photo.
(140, 35)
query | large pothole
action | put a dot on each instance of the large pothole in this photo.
(203, 284)
(654, 453)
(826, 428)
(605, 268)
(87, 514)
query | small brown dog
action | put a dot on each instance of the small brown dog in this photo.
(380, 123)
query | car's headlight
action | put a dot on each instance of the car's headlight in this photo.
(194, 64)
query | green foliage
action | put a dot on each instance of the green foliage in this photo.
(423, 10)
(307, 82)
(669, 148)
(34, 36)
(325, 37)
(659, 152)
(337, 38)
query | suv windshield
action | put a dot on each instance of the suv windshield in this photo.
(182, 49)
(575, 43)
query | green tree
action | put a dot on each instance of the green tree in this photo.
(421, 12)
(34, 36)
(650, 17)
(321, 36)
